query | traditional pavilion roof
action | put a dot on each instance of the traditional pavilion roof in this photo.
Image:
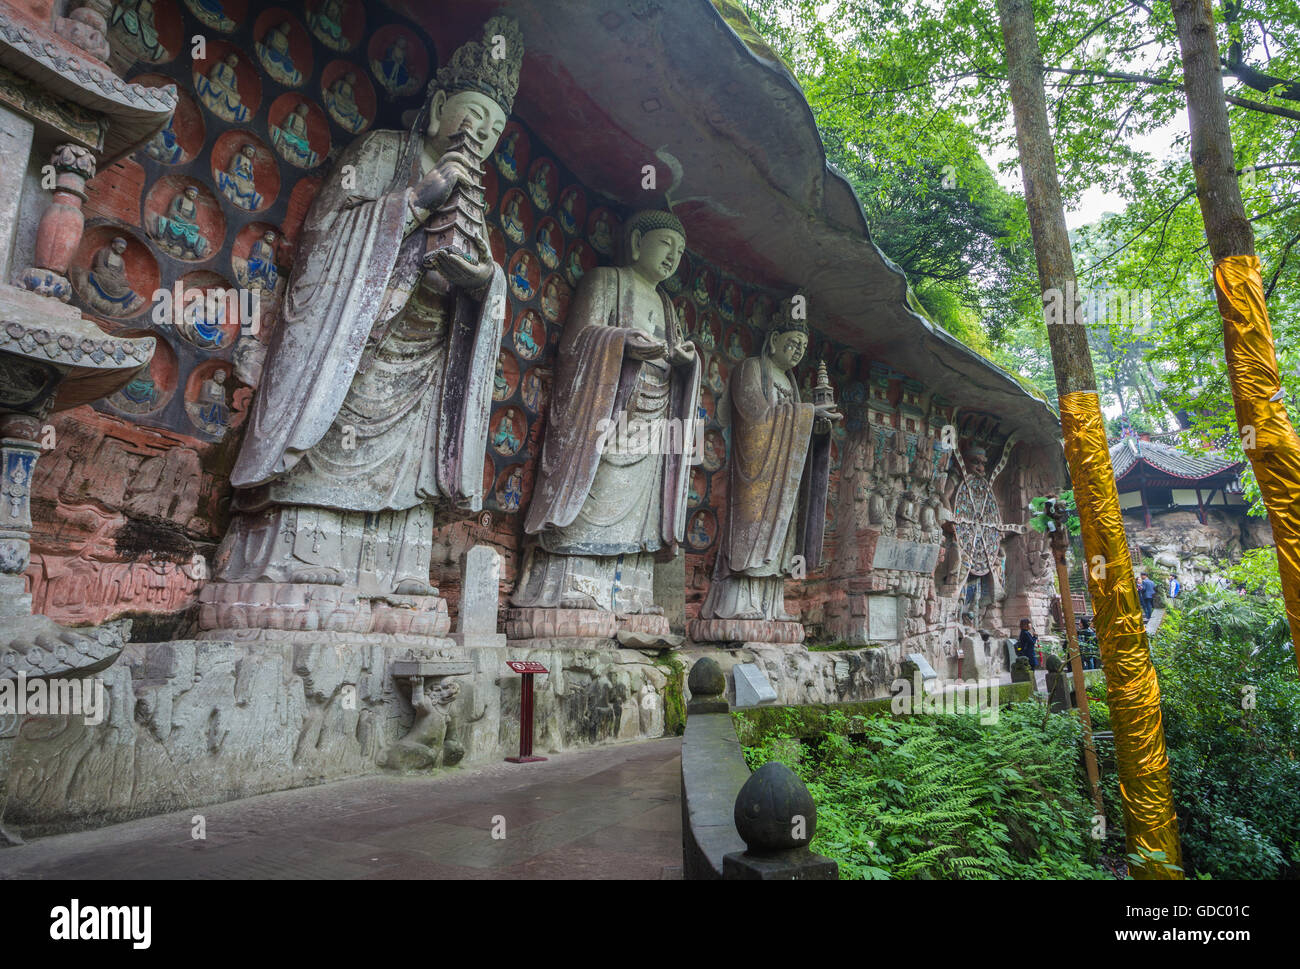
(689, 87)
(1138, 462)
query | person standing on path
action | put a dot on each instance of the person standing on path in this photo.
(1147, 595)
(1027, 645)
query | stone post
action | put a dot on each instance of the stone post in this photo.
(59, 232)
(480, 585)
(776, 817)
(708, 687)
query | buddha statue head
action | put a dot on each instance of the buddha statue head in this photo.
(655, 241)
(475, 90)
(787, 336)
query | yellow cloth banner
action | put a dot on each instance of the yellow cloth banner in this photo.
(1262, 421)
(1132, 692)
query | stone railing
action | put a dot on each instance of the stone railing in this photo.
(737, 825)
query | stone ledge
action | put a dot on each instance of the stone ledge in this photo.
(194, 722)
(713, 772)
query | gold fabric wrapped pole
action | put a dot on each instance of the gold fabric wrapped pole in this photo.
(1131, 688)
(1262, 420)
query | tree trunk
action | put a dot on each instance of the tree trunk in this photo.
(1268, 438)
(1132, 692)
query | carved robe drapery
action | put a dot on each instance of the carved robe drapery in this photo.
(373, 406)
(776, 499)
(600, 509)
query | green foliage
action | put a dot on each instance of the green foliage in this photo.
(933, 204)
(944, 796)
(911, 97)
(1231, 706)
(1038, 522)
(674, 695)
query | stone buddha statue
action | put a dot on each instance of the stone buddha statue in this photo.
(340, 100)
(107, 288)
(373, 406)
(237, 181)
(178, 231)
(776, 483)
(274, 51)
(290, 136)
(603, 507)
(219, 90)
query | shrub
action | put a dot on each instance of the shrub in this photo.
(1231, 708)
(946, 797)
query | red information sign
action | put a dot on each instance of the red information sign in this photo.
(527, 668)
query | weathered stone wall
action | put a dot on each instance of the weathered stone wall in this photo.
(133, 498)
(198, 722)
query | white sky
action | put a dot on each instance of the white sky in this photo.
(1095, 202)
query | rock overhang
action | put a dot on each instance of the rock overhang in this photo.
(617, 86)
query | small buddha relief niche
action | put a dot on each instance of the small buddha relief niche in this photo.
(299, 131)
(145, 31)
(208, 398)
(513, 153)
(338, 24)
(283, 47)
(208, 317)
(113, 273)
(398, 61)
(348, 96)
(181, 139)
(220, 15)
(150, 390)
(244, 171)
(227, 83)
(184, 218)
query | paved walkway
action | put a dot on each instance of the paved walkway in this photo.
(1153, 624)
(611, 812)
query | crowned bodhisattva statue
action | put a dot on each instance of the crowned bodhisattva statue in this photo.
(777, 478)
(611, 489)
(372, 410)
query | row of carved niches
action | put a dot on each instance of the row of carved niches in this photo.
(216, 199)
(281, 48)
(116, 274)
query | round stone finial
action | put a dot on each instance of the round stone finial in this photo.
(774, 811)
(706, 678)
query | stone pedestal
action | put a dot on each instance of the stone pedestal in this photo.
(727, 631)
(252, 610)
(600, 627)
(523, 623)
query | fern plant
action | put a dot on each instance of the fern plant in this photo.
(946, 797)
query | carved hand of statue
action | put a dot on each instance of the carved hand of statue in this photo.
(453, 168)
(459, 271)
(683, 353)
(642, 346)
(824, 414)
